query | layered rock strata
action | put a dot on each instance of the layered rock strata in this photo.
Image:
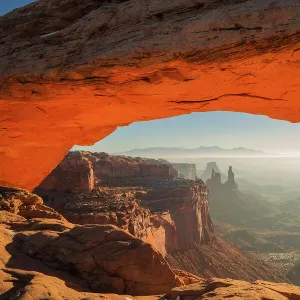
(98, 258)
(82, 170)
(171, 214)
(179, 217)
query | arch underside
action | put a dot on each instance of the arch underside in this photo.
(118, 63)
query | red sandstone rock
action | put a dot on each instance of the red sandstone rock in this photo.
(74, 174)
(108, 258)
(185, 221)
(188, 207)
(25, 204)
(119, 257)
(122, 167)
(218, 289)
(23, 285)
(178, 226)
(80, 171)
(139, 62)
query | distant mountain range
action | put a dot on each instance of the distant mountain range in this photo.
(202, 151)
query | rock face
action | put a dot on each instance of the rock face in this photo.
(230, 183)
(158, 215)
(188, 171)
(229, 205)
(74, 174)
(171, 214)
(236, 289)
(139, 62)
(101, 258)
(24, 284)
(188, 207)
(80, 171)
(51, 258)
(107, 258)
(25, 204)
(183, 220)
(216, 186)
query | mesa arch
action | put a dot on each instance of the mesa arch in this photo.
(72, 72)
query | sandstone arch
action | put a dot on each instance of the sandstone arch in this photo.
(72, 71)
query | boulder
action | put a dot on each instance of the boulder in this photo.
(107, 258)
(25, 204)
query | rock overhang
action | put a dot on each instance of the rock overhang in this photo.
(109, 65)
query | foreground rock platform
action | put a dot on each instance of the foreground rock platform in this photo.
(50, 258)
(23, 285)
(219, 289)
(97, 258)
(72, 72)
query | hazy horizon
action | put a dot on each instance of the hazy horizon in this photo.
(223, 129)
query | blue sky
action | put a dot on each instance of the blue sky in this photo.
(8, 5)
(224, 129)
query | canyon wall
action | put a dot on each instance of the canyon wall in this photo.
(72, 72)
(149, 200)
(172, 214)
(188, 208)
(81, 170)
(74, 174)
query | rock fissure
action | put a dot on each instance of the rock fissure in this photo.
(224, 96)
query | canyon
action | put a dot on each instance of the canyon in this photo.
(133, 234)
(255, 225)
(165, 210)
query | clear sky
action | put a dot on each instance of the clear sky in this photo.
(224, 129)
(8, 5)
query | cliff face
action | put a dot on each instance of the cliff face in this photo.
(74, 174)
(172, 214)
(187, 170)
(171, 218)
(70, 261)
(81, 171)
(217, 188)
(95, 258)
(188, 208)
(178, 218)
